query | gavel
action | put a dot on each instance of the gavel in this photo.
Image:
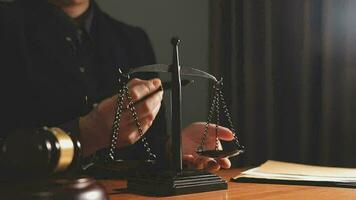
(36, 152)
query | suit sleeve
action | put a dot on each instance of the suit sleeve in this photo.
(13, 87)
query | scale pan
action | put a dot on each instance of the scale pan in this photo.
(220, 153)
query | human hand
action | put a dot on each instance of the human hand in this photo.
(191, 139)
(96, 127)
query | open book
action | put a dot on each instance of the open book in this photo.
(299, 174)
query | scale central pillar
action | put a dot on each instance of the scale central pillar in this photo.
(176, 109)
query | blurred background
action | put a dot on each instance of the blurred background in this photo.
(163, 19)
(288, 66)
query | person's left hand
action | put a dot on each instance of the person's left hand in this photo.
(191, 139)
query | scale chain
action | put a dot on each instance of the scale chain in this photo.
(212, 108)
(116, 124)
(122, 93)
(228, 116)
(217, 121)
(138, 125)
(218, 98)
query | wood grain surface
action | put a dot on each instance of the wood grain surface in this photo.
(116, 190)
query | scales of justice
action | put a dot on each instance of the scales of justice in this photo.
(175, 180)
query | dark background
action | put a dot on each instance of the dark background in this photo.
(290, 75)
(289, 69)
(163, 19)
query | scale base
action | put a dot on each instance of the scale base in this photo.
(172, 183)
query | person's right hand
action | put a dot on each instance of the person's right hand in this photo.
(96, 127)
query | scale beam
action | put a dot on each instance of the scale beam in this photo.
(163, 68)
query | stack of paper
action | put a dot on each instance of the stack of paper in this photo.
(291, 173)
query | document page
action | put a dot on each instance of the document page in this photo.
(276, 170)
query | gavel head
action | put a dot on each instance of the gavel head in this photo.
(39, 152)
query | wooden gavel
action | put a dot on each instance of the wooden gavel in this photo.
(39, 152)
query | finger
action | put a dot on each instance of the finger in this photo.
(135, 135)
(108, 106)
(130, 133)
(148, 108)
(188, 160)
(224, 163)
(134, 82)
(206, 163)
(199, 162)
(145, 108)
(223, 133)
(212, 166)
(148, 120)
(139, 88)
(199, 127)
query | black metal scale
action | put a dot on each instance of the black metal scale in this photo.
(177, 180)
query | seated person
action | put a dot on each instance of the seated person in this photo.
(59, 64)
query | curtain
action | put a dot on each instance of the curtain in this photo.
(289, 77)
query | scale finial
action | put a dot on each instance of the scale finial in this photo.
(175, 41)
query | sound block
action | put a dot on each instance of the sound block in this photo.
(172, 183)
(81, 188)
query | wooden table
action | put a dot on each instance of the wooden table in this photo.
(240, 191)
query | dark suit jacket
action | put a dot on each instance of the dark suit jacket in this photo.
(40, 73)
